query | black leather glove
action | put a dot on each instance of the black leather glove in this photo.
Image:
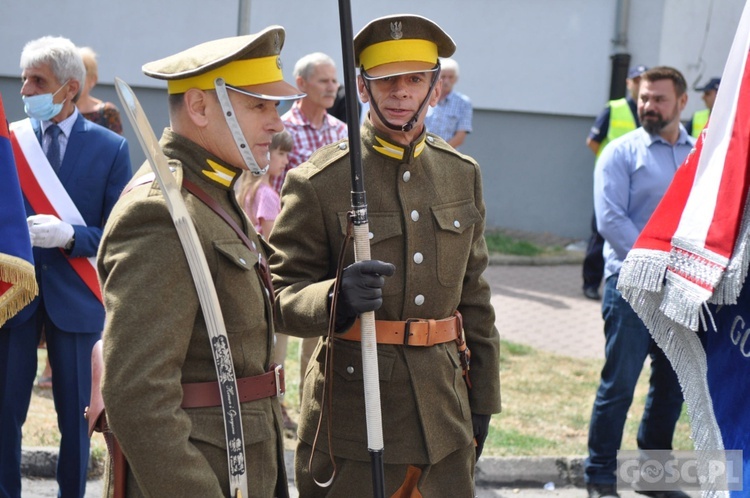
(361, 289)
(481, 424)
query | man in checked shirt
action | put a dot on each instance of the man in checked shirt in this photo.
(311, 127)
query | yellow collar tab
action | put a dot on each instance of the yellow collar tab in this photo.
(399, 51)
(399, 152)
(220, 174)
(242, 72)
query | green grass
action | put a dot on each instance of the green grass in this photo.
(503, 244)
(499, 242)
(547, 402)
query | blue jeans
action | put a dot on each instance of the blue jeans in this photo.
(627, 344)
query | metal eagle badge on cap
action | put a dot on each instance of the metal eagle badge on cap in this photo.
(277, 49)
(396, 32)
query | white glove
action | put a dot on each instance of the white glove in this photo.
(49, 231)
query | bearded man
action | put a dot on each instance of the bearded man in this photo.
(630, 178)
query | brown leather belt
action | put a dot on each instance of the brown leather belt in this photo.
(412, 332)
(203, 394)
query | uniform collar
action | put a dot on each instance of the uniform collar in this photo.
(385, 147)
(206, 165)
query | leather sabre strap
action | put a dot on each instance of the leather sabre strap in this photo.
(262, 265)
(326, 401)
(96, 416)
(267, 385)
(413, 332)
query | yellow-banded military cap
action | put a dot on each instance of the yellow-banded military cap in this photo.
(250, 61)
(400, 44)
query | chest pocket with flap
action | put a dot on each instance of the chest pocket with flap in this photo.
(386, 244)
(455, 222)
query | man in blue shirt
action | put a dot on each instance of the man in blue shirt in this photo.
(618, 117)
(451, 117)
(630, 178)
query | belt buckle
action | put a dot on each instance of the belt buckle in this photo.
(278, 371)
(408, 334)
(407, 331)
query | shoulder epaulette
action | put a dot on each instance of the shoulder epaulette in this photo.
(436, 142)
(145, 175)
(328, 154)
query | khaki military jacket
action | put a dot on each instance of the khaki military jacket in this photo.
(155, 337)
(426, 216)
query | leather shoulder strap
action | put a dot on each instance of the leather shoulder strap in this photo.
(262, 265)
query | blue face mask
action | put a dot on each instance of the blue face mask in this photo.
(42, 107)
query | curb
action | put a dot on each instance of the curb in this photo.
(567, 258)
(517, 472)
(529, 472)
(39, 461)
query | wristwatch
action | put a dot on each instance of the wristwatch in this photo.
(69, 246)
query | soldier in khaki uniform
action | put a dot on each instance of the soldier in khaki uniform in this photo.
(426, 218)
(156, 341)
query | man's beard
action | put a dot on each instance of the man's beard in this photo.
(654, 126)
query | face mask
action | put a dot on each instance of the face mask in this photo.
(42, 107)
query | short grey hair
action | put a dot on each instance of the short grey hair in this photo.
(307, 64)
(59, 53)
(449, 64)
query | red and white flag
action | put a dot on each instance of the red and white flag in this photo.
(693, 252)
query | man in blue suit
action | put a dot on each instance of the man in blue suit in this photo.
(72, 171)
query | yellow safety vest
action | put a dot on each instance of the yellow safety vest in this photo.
(700, 119)
(621, 121)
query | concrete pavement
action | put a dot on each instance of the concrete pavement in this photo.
(543, 306)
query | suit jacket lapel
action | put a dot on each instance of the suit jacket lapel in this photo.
(71, 160)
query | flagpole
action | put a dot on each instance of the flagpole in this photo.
(361, 253)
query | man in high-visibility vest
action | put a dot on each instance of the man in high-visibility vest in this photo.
(618, 117)
(700, 118)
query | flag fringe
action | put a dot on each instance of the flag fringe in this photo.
(670, 306)
(20, 274)
(645, 269)
(730, 286)
(682, 301)
(685, 352)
